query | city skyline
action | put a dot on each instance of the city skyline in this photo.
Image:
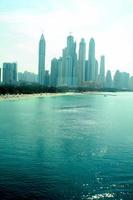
(71, 69)
(22, 24)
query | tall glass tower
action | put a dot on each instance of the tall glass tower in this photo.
(41, 65)
(71, 52)
(91, 68)
(108, 79)
(81, 61)
(102, 71)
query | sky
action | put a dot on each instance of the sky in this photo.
(109, 22)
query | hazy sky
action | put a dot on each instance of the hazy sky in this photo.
(110, 22)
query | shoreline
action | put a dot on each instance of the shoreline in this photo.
(28, 96)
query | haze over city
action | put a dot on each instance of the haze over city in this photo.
(66, 96)
(108, 22)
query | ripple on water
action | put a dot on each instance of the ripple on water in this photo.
(46, 145)
(98, 196)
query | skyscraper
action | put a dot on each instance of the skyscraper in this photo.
(71, 52)
(91, 62)
(60, 72)
(102, 71)
(9, 73)
(68, 71)
(54, 72)
(117, 80)
(65, 66)
(108, 82)
(46, 78)
(81, 61)
(41, 65)
(124, 80)
(86, 70)
(130, 84)
(96, 70)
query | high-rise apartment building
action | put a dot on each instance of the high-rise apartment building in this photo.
(117, 80)
(91, 63)
(81, 61)
(10, 73)
(54, 72)
(46, 78)
(102, 71)
(124, 80)
(71, 52)
(60, 72)
(96, 70)
(108, 81)
(41, 65)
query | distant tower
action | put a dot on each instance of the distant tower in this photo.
(54, 72)
(86, 70)
(124, 80)
(91, 65)
(117, 80)
(102, 71)
(71, 52)
(81, 61)
(109, 82)
(60, 72)
(10, 73)
(96, 70)
(46, 78)
(41, 65)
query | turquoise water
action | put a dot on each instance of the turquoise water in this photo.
(67, 147)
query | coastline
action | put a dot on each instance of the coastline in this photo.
(28, 96)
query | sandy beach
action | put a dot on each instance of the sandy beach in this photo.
(28, 96)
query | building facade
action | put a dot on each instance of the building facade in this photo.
(41, 64)
(81, 62)
(102, 71)
(10, 73)
(91, 62)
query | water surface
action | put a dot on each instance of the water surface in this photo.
(67, 147)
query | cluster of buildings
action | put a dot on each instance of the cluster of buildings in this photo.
(72, 69)
(9, 73)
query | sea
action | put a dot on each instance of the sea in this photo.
(67, 147)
